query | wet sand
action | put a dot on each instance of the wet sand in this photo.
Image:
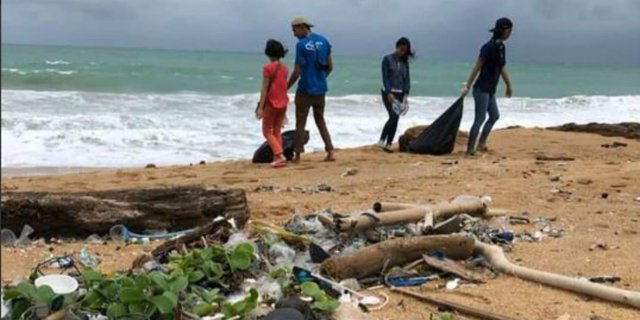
(509, 173)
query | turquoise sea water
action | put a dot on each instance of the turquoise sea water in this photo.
(119, 70)
(114, 107)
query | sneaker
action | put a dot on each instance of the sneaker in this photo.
(388, 148)
(380, 144)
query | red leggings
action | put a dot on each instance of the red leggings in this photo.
(272, 120)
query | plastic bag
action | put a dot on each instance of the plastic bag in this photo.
(8, 238)
(24, 240)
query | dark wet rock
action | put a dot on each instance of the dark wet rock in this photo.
(630, 130)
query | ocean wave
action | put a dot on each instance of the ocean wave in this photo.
(74, 128)
(14, 70)
(37, 71)
(62, 72)
(57, 62)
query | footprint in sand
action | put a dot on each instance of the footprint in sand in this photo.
(279, 211)
(75, 184)
(303, 167)
(233, 180)
(232, 172)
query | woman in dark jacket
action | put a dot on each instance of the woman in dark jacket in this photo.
(397, 83)
(491, 65)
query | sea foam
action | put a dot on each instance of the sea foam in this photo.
(70, 128)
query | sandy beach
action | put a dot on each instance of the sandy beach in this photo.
(509, 173)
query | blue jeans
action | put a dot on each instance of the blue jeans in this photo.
(485, 103)
(391, 126)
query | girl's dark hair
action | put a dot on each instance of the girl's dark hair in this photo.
(275, 49)
(404, 41)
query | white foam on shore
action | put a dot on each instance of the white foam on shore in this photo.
(84, 129)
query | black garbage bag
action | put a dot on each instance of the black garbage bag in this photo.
(440, 137)
(264, 154)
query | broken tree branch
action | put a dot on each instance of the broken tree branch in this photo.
(499, 261)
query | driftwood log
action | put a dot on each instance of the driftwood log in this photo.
(373, 259)
(404, 214)
(80, 214)
(499, 261)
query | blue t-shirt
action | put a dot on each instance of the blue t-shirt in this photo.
(312, 54)
(493, 57)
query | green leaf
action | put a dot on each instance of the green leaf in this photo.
(44, 294)
(91, 276)
(131, 295)
(127, 282)
(159, 280)
(172, 297)
(209, 296)
(143, 281)
(109, 290)
(279, 272)
(311, 289)
(206, 254)
(178, 284)
(213, 270)
(12, 293)
(27, 290)
(176, 273)
(203, 309)
(242, 307)
(163, 304)
(245, 247)
(326, 305)
(445, 316)
(195, 276)
(151, 310)
(138, 308)
(241, 257)
(56, 302)
(94, 300)
(116, 310)
(19, 307)
(252, 299)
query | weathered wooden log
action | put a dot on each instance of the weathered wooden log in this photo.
(496, 257)
(79, 214)
(373, 259)
(475, 207)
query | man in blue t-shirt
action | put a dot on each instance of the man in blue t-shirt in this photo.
(491, 64)
(313, 64)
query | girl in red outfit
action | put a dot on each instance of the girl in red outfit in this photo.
(272, 108)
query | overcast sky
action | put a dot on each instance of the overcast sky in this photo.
(566, 31)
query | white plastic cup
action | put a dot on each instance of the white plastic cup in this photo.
(59, 283)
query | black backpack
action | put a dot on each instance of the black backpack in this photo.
(264, 154)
